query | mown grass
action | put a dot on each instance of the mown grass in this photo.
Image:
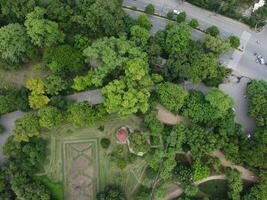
(56, 189)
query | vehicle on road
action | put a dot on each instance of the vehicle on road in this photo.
(176, 12)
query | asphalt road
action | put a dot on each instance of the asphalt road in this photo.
(243, 63)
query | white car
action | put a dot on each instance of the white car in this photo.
(176, 12)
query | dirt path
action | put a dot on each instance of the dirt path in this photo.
(245, 174)
(167, 117)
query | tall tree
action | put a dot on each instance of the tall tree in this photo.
(14, 43)
(43, 32)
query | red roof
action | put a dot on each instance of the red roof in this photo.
(122, 135)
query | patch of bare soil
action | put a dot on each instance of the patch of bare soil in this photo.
(167, 117)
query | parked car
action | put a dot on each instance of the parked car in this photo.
(176, 12)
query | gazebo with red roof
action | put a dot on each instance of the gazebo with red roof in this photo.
(122, 135)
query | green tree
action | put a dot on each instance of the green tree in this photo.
(54, 84)
(181, 17)
(220, 101)
(213, 31)
(81, 114)
(50, 117)
(14, 43)
(26, 188)
(171, 96)
(200, 171)
(111, 192)
(138, 142)
(152, 123)
(170, 15)
(43, 32)
(37, 101)
(63, 60)
(26, 127)
(194, 23)
(201, 141)
(257, 99)
(16, 10)
(235, 183)
(139, 35)
(150, 9)
(103, 18)
(177, 39)
(234, 41)
(216, 45)
(144, 22)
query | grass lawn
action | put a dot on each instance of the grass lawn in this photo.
(129, 178)
(55, 188)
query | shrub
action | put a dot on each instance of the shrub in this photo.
(194, 23)
(234, 41)
(2, 129)
(170, 15)
(105, 143)
(150, 9)
(121, 163)
(181, 17)
(213, 31)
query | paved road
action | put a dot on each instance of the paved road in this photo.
(243, 63)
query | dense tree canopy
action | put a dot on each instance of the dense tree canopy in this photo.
(14, 43)
(43, 32)
(50, 117)
(171, 96)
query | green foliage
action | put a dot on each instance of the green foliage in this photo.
(235, 183)
(171, 96)
(193, 23)
(200, 171)
(150, 9)
(177, 39)
(43, 32)
(25, 188)
(50, 117)
(56, 189)
(150, 121)
(111, 193)
(177, 137)
(257, 98)
(16, 10)
(81, 114)
(54, 84)
(201, 141)
(14, 44)
(257, 192)
(101, 18)
(254, 151)
(139, 142)
(219, 101)
(37, 99)
(63, 60)
(25, 156)
(139, 35)
(216, 44)
(13, 99)
(213, 31)
(105, 143)
(26, 127)
(144, 22)
(234, 41)
(181, 17)
(143, 193)
(170, 15)
(215, 164)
